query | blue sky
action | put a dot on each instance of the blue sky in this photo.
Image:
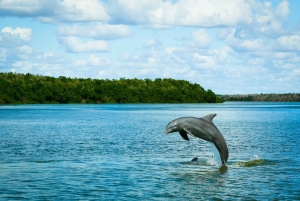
(231, 47)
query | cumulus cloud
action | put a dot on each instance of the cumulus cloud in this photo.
(282, 9)
(157, 14)
(14, 44)
(91, 65)
(23, 66)
(240, 42)
(26, 49)
(224, 54)
(205, 13)
(73, 10)
(204, 61)
(97, 61)
(270, 20)
(292, 57)
(288, 42)
(201, 38)
(22, 33)
(75, 45)
(27, 8)
(96, 30)
(152, 43)
(49, 58)
(55, 10)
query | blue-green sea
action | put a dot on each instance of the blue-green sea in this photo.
(120, 152)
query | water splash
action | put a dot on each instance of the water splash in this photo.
(211, 158)
(215, 160)
(253, 162)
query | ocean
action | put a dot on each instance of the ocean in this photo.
(120, 152)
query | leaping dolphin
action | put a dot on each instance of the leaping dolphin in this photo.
(202, 128)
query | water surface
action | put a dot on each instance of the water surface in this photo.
(119, 152)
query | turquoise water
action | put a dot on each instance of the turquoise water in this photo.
(120, 152)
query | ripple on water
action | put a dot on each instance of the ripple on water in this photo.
(119, 152)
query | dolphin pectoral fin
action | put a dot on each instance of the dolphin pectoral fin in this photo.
(189, 132)
(184, 135)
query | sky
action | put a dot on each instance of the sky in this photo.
(230, 47)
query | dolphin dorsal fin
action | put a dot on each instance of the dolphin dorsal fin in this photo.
(209, 117)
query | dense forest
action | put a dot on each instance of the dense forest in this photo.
(18, 88)
(289, 97)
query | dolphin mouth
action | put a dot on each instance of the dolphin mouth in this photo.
(167, 131)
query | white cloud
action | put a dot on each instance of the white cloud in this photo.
(25, 49)
(92, 66)
(152, 43)
(224, 54)
(296, 72)
(124, 56)
(22, 33)
(55, 10)
(288, 42)
(23, 66)
(292, 57)
(157, 14)
(14, 44)
(282, 9)
(281, 64)
(201, 38)
(126, 11)
(87, 10)
(3, 55)
(49, 57)
(250, 45)
(214, 12)
(169, 50)
(75, 45)
(205, 13)
(25, 7)
(204, 61)
(97, 61)
(96, 30)
(269, 21)
(256, 62)
(239, 42)
(80, 62)
(286, 60)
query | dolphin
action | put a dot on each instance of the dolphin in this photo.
(202, 128)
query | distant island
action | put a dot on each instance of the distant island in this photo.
(16, 88)
(288, 97)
